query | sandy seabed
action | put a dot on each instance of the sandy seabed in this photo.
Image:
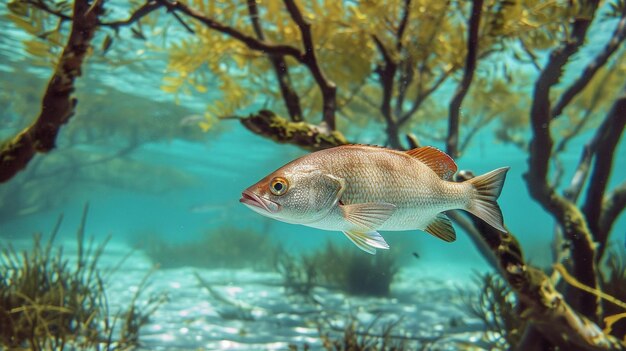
(249, 310)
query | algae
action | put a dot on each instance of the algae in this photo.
(50, 302)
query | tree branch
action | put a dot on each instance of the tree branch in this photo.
(307, 136)
(541, 144)
(607, 139)
(462, 89)
(290, 98)
(406, 66)
(43, 6)
(612, 207)
(565, 212)
(252, 42)
(582, 171)
(328, 88)
(407, 76)
(406, 10)
(138, 14)
(421, 97)
(58, 103)
(573, 191)
(592, 68)
(387, 74)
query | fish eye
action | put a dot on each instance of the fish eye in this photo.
(279, 186)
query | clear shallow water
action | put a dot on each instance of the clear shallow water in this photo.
(424, 295)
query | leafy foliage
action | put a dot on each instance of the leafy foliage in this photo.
(345, 46)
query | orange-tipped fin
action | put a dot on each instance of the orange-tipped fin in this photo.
(488, 188)
(436, 160)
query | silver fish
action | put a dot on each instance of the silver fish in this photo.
(360, 189)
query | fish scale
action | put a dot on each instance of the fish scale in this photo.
(417, 192)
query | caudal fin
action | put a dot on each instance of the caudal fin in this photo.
(488, 188)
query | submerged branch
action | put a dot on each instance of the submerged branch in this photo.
(541, 143)
(138, 14)
(250, 41)
(290, 98)
(387, 73)
(58, 103)
(569, 216)
(422, 96)
(592, 68)
(608, 136)
(327, 87)
(135, 16)
(613, 206)
(452, 142)
(307, 136)
(407, 66)
(572, 192)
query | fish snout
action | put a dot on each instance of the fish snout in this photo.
(254, 201)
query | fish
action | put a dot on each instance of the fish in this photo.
(361, 189)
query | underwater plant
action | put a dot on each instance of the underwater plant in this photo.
(344, 269)
(355, 273)
(299, 274)
(355, 336)
(48, 302)
(496, 306)
(222, 247)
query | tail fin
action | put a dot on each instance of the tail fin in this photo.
(488, 188)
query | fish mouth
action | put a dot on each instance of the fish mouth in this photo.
(254, 201)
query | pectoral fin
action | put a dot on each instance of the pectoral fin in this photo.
(367, 216)
(442, 228)
(367, 242)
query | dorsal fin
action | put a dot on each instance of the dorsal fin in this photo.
(436, 160)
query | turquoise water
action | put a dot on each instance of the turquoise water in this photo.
(182, 187)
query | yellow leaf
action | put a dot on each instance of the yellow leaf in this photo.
(205, 126)
(200, 88)
(37, 48)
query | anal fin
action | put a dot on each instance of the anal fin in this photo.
(442, 228)
(368, 242)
